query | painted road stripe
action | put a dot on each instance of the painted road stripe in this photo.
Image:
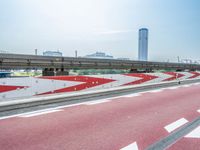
(96, 102)
(171, 127)
(174, 87)
(196, 83)
(7, 117)
(194, 134)
(133, 95)
(132, 146)
(187, 85)
(40, 113)
(156, 91)
(37, 111)
(116, 97)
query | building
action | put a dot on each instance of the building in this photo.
(99, 55)
(52, 53)
(143, 44)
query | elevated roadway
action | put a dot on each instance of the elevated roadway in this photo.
(17, 61)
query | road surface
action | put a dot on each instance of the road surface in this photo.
(128, 122)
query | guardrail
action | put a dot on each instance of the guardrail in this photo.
(17, 61)
(45, 100)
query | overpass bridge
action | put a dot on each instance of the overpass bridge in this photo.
(61, 65)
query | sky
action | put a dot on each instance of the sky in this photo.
(109, 26)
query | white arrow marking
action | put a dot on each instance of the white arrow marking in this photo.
(194, 134)
(132, 146)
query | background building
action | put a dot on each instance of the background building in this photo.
(143, 44)
(99, 55)
(52, 53)
(122, 58)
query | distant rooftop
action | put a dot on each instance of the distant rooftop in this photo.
(100, 55)
(52, 53)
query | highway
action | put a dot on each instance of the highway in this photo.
(127, 122)
(19, 61)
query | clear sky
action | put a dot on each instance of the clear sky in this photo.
(110, 26)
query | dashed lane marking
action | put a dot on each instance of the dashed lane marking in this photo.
(132, 146)
(171, 127)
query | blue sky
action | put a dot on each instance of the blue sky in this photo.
(109, 26)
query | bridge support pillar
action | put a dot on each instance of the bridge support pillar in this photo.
(133, 70)
(54, 72)
(147, 70)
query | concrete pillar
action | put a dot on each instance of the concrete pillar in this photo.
(48, 72)
(55, 72)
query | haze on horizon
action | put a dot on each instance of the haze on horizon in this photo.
(109, 26)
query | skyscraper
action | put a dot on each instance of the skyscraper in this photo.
(143, 44)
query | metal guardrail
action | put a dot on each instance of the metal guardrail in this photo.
(45, 100)
(17, 61)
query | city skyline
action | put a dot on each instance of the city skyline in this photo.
(111, 26)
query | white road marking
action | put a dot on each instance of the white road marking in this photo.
(171, 127)
(196, 83)
(194, 134)
(173, 87)
(96, 102)
(132, 146)
(187, 85)
(39, 113)
(7, 117)
(133, 95)
(156, 91)
(111, 98)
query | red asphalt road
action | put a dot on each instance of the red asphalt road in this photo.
(106, 126)
(186, 144)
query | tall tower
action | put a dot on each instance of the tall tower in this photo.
(143, 44)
